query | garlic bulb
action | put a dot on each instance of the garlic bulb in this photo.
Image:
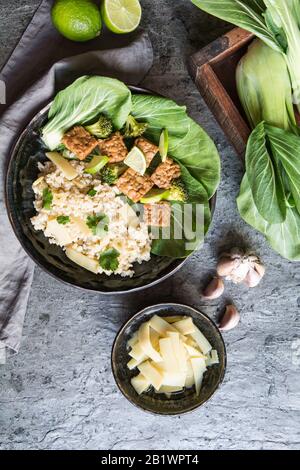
(214, 290)
(230, 318)
(240, 267)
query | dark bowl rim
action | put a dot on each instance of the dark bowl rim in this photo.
(160, 307)
(176, 262)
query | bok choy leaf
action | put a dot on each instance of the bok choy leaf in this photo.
(82, 102)
(264, 177)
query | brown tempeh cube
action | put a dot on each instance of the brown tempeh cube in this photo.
(157, 215)
(148, 149)
(80, 142)
(114, 148)
(165, 173)
(134, 185)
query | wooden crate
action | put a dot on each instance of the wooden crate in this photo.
(213, 70)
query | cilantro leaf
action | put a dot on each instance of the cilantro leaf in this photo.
(63, 219)
(92, 192)
(98, 224)
(109, 259)
(47, 199)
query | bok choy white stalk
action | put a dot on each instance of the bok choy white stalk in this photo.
(264, 87)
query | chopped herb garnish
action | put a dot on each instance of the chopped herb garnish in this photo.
(109, 259)
(92, 192)
(63, 219)
(98, 224)
(47, 198)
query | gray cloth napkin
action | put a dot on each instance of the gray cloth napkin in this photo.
(42, 52)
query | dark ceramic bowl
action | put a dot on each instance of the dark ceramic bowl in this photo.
(21, 173)
(181, 402)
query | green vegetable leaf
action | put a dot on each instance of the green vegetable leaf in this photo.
(47, 199)
(286, 149)
(248, 14)
(160, 113)
(264, 177)
(198, 154)
(188, 142)
(189, 222)
(82, 102)
(98, 224)
(63, 219)
(283, 238)
(109, 259)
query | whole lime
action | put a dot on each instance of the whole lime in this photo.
(77, 20)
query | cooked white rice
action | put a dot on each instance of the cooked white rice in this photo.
(70, 198)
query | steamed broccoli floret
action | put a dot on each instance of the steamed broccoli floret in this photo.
(102, 128)
(133, 128)
(177, 191)
(111, 173)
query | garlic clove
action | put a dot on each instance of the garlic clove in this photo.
(226, 266)
(230, 318)
(254, 276)
(240, 272)
(214, 290)
(252, 279)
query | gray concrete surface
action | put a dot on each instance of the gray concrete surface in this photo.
(59, 393)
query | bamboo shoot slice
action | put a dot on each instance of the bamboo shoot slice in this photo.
(151, 374)
(173, 379)
(202, 342)
(179, 351)
(169, 389)
(199, 367)
(185, 327)
(63, 165)
(134, 363)
(170, 362)
(145, 343)
(137, 353)
(82, 260)
(173, 319)
(190, 380)
(140, 384)
(160, 325)
(193, 352)
(59, 232)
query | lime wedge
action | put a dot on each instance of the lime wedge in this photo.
(136, 160)
(121, 16)
(95, 165)
(164, 144)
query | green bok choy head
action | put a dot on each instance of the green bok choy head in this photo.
(275, 22)
(264, 87)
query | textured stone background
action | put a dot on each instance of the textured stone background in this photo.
(59, 393)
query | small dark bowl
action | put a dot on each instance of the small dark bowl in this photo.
(181, 402)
